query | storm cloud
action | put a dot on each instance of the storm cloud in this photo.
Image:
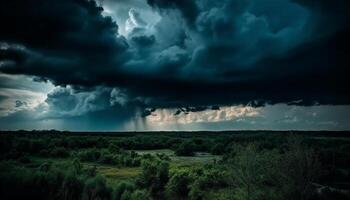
(199, 53)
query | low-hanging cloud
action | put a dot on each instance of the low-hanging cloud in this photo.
(199, 53)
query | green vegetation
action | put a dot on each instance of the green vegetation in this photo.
(194, 166)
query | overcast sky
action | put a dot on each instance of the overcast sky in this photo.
(117, 65)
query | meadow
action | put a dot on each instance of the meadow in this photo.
(175, 165)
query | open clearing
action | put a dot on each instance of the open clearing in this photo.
(113, 173)
(199, 158)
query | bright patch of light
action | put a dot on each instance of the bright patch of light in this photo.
(21, 93)
(167, 116)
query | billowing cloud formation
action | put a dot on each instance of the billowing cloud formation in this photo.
(69, 102)
(199, 53)
(19, 93)
(100, 108)
(270, 117)
(165, 116)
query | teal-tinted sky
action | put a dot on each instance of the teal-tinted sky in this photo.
(174, 64)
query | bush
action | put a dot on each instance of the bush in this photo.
(186, 148)
(106, 157)
(196, 193)
(91, 171)
(271, 174)
(178, 185)
(89, 155)
(123, 187)
(59, 152)
(22, 183)
(24, 159)
(211, 177)
(72, 187)
(300, 168)
(218, 149)
(126, 195)
(253, 172)
(154, 176)
(140, 195)
(113, 148)
(96, 188)
(127, 159)
(44, 153)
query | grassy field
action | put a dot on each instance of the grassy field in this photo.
(198, 159)
(112, 173)
(115, 174)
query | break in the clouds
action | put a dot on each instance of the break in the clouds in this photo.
(129, 62)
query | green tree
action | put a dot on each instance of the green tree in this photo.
(115, 149)
(123, 187)
(178, 185)
(251, 173)
(186, 148)
(154, 176)
(218, 149)
(96, 188)
(140, 195)
(77, 167)
(300, 168)
(196, 193)
(72, 187)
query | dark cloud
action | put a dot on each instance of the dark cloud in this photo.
(70, 102)
(143, 40)
(62, 99)
(188, 9)
(68, 42)
(3, 98)
(187, 110)
(215, 108)
(148, 112)
(67, 26)
(226, 52)
(19, 103)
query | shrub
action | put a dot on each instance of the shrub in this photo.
(96, 188)
(106, 157)
(140, 195)
(126, 195)
(300, 168)
(186, 148)
(211, 176)
(77, 167)
(72, 187)
(196, 193)
(59, 152)
(163, 156)
(127, 160)
(24, 159)
(44, 153)
(113, 148)
(253, 173)
(91, 171)
(178, 185)
(45, 167)
(123, 187)
(154, 176)
(218, 149)
(90, 155)
(22, 183)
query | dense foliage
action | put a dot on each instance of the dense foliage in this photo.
(250, 166)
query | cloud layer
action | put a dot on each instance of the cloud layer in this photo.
(175, 56)
(199, 53)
